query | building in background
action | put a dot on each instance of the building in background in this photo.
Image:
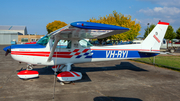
(17, 34)
(28, 38)
(10, 33)
(20, 29)
(7, 36)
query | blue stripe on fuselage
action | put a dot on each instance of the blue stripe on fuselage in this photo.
(24, 46)
(27, 46)
(119, 54)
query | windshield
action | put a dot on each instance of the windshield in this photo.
(44, 40)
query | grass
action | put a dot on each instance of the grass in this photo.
(167, 61)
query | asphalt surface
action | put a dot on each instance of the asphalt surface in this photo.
(102, 81)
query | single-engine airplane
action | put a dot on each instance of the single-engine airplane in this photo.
(66, 46)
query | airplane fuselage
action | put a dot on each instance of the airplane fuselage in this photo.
(38, 55)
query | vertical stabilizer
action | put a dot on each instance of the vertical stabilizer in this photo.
(154, 39)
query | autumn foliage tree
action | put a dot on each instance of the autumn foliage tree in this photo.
(120, 20)
(54, 26)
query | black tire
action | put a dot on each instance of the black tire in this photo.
(172, 50)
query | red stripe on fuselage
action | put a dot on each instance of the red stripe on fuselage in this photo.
(63, 56)
(44, 54)
(37, 52)
(77, 53)
(85, 50)
(76, 50)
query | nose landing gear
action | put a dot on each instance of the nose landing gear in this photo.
(28, 73)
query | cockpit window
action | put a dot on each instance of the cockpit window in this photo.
(85, 43)
(63, 44)
(44, 40)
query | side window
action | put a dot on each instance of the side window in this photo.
(63, 44)
(85, 43)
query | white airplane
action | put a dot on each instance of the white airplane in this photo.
(66, 46)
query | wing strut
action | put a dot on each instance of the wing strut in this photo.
(53, 49)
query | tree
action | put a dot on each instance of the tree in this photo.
(178, 33)
(120, 20)
(148, 30)
(170, 34)
(54, 26)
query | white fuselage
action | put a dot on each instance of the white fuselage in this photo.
(39, 56)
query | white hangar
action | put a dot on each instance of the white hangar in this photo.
(10, 33)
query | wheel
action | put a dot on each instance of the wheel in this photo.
(172, 50)
(67, 82)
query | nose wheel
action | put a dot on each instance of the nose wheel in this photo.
(28, 73)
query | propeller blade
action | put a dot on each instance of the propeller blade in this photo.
(7, 52)
(53, 49)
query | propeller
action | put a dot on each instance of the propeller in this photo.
(7, 50)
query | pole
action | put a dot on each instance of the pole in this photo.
(154, 61)
(148, 27)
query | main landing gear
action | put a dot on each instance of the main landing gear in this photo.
(28, 73)
(64, 73)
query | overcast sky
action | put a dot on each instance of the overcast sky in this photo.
(36, 14)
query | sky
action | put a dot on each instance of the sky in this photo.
(36, 14)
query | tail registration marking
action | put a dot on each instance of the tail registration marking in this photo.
(116, 54)
(156, 38)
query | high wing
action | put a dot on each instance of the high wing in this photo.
(88, 30)
(84, 30)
